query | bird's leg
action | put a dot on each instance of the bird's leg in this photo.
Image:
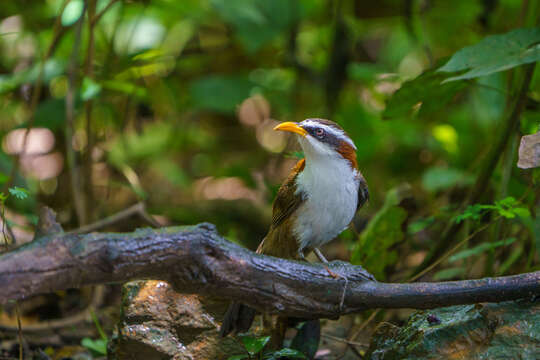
(334, 275)
(320, 255)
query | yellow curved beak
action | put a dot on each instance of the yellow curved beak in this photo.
(292, 127)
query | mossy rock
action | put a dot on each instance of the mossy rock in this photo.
(509, 330)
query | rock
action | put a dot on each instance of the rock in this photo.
(509, 330)
(159, 323)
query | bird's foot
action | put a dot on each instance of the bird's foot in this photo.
(339, 276)
(334, 275)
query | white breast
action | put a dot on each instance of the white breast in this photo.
(332, 189)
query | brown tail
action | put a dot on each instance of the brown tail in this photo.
(238, 319)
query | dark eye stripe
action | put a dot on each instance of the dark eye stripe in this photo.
(322, 135)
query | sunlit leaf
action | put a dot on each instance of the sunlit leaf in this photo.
(72, 12)
(495, 53)
(90, 89)
(126, 88)
(99, 346)
(254, 344)
(19, 192)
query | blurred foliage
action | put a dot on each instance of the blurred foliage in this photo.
(174, 103)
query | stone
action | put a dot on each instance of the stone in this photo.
(159, 323)
(509, 330)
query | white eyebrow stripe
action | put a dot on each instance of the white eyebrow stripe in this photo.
(340, 134)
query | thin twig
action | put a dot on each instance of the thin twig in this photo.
(364, 324)
(449, 252)
(70, 120)
(98, 16)
(88, 108)
(98, 297)
(346, 341)
(137, 209)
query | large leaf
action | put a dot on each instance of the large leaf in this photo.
(495, 53)
(424, 92)
(383, 231)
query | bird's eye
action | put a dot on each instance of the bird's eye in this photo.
(319, 132)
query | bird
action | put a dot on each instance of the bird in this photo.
(316, 202)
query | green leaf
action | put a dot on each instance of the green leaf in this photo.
(254, 344)
(441, 178)
(420, 224)
(364, 71)
(18, 192)
(222, 93)
(495, 53)
(286, 352)
(99, 346)
(383, 231)
(424, 92)
(3, 198)
(90, 89)
(447, 274)
(72, 12)
(3, 178)
(127, 88)
(480, 249)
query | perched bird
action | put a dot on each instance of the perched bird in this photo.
(314, 205)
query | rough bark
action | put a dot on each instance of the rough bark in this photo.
(197, 260)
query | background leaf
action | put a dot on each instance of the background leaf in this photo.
(373, 249)
(480, 249)
(495, 53)
(425, 93)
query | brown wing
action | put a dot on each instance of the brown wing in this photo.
(280, 240)
(287, 201)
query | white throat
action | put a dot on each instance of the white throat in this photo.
(331, 187)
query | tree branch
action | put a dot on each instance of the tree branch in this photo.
(197, 260)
